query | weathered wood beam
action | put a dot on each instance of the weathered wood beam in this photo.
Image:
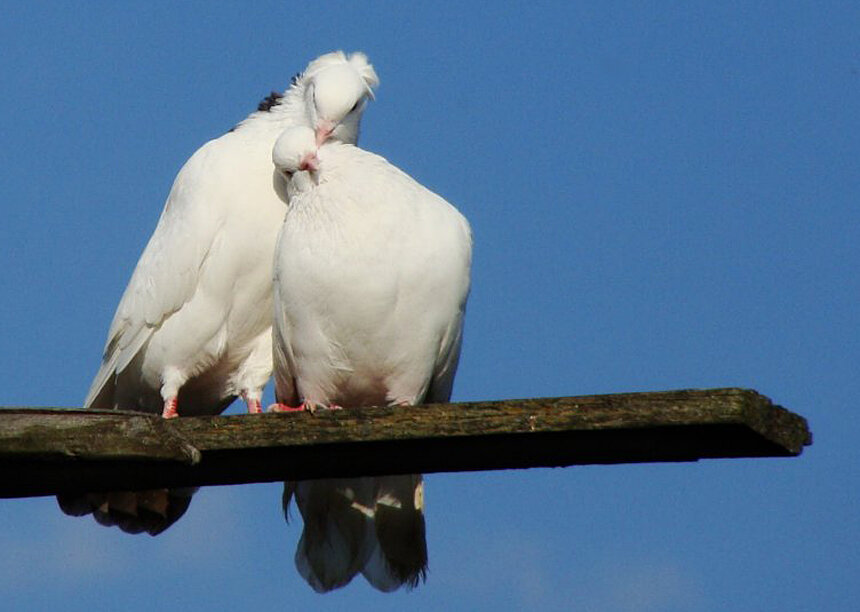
(48, 451)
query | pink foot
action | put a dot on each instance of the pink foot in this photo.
(170, 408)
(304, 406)
(287, 408)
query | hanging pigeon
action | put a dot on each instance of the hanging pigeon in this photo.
(193, 329)
(370, 286)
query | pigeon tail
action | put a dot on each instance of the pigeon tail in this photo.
(401, 555)
(372, 525)
(133, 512)
(335, 541)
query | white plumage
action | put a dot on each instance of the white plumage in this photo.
(194, 322)
(193, 328)
(370, 288)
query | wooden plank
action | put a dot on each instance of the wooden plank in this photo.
(46, 451)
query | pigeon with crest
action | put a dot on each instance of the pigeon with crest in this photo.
(192, 331)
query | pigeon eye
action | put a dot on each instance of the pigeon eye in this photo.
(355, 106)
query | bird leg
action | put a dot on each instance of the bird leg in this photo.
(172, 380)
(253, 403)
(170, 408)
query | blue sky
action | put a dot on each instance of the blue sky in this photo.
(663, 195)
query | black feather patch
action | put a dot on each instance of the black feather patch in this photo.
(269, 101)
(272, 100)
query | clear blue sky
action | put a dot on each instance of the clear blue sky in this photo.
(664, 195)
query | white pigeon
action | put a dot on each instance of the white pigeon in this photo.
(370, 285)
(193, 328)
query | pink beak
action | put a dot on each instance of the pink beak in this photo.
(310, 162)
(323, 132)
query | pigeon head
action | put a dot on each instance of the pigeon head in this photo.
(295, 156)
(337, 88)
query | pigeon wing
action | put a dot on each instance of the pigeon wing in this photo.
(166, 275)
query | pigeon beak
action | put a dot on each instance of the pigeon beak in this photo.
(310, 162)
(323, 131)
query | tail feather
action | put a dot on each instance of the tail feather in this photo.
(334, 543)
(400, 531)
(378, 573)
(132, 511)
(370, 525)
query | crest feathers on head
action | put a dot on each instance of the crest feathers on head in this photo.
(357, 60)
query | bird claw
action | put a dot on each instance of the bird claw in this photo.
(313, 407)
(305, 406)
(278, 407)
